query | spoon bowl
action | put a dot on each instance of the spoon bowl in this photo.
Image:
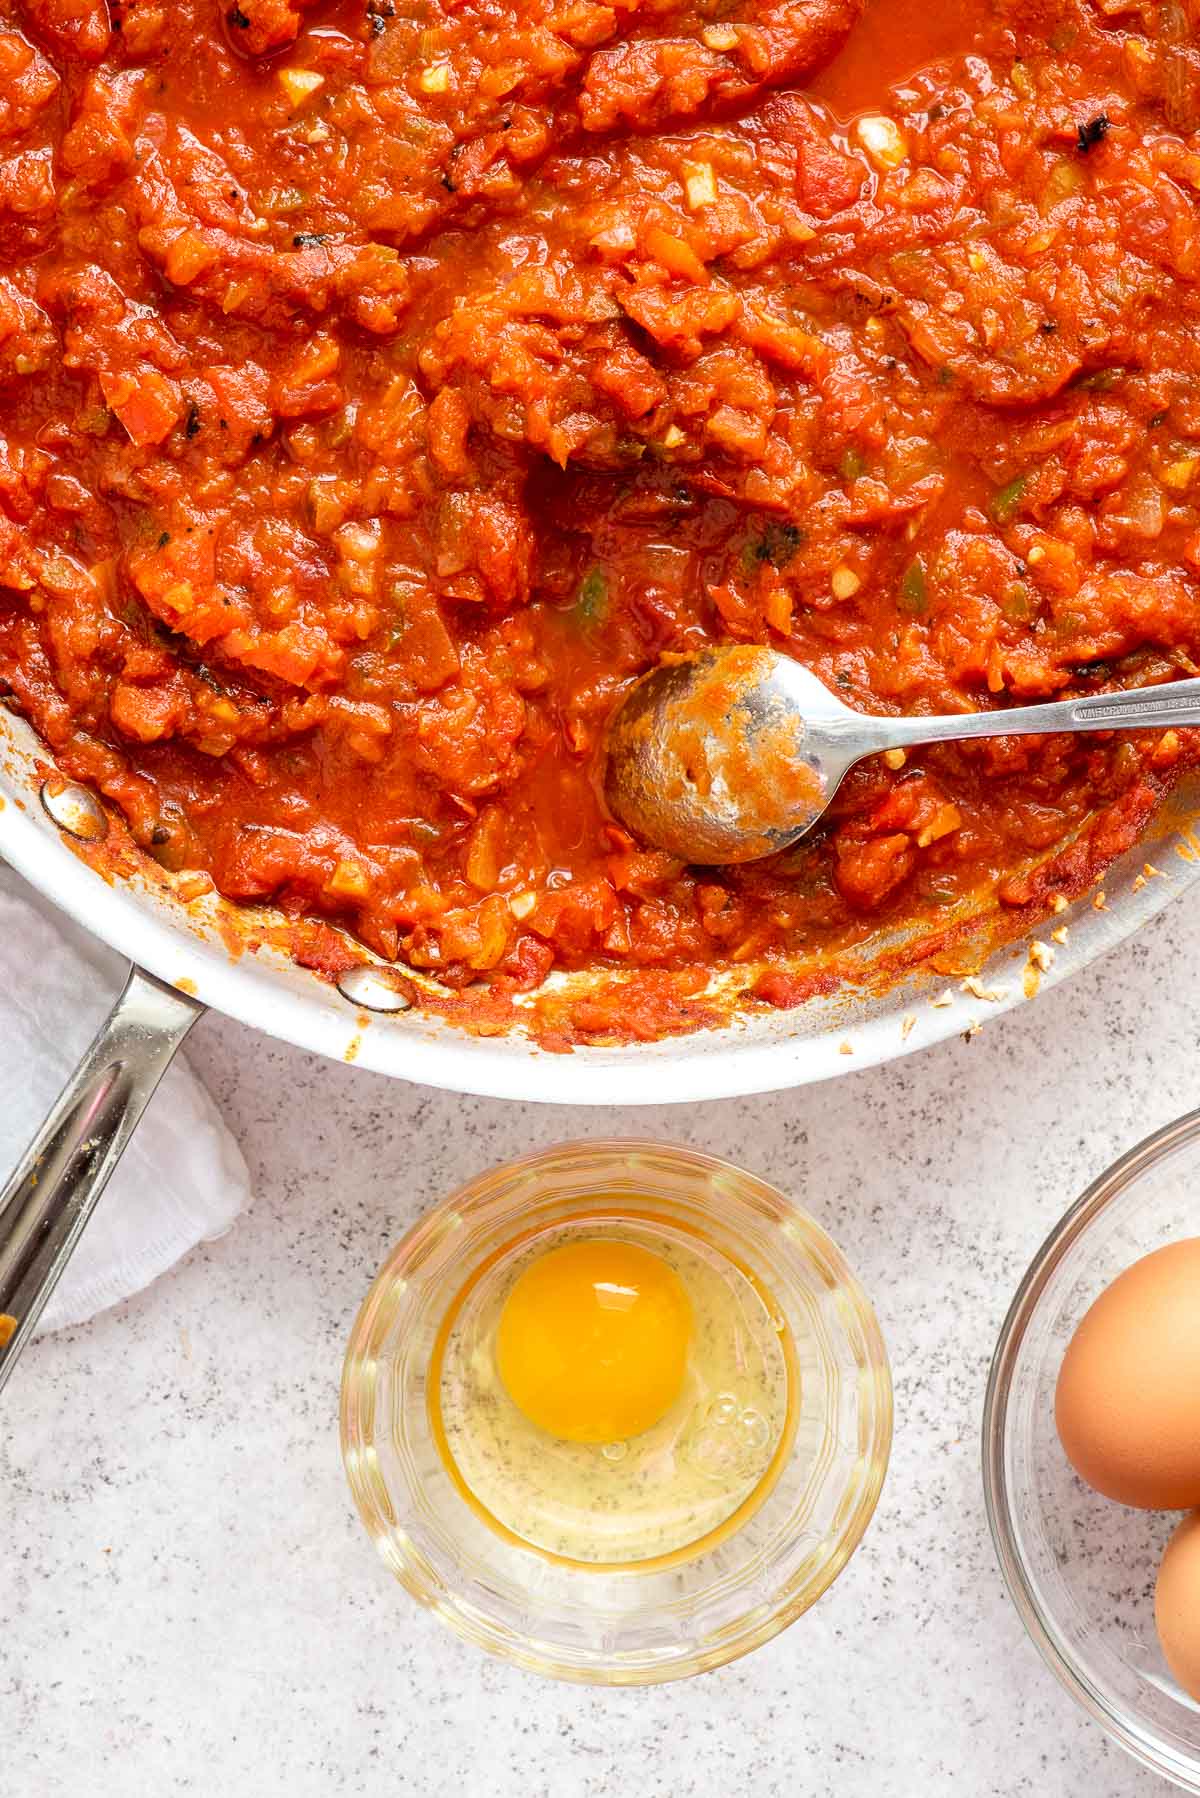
(728, 755)
(733, 753)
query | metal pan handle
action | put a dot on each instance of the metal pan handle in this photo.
(47, 1201)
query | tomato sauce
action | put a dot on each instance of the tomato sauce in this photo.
(385, 384)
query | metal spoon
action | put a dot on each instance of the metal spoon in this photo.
(734, 753)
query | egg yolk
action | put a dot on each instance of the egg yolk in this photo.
(593, 1340)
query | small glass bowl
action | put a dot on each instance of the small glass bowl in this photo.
(1080, 1569)
(632, 1624)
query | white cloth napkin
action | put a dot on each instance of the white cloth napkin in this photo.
(181, 1181)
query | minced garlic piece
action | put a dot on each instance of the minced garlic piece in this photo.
(991, 994)
(1059, 902)
(435, 79)
(882, 139)
(720, 37)
(908, 1024)
(895, 758)
(672, 437)
(299, 84)
(844, 582)
(1041, 955)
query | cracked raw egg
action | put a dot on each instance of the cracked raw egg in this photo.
(593, 1340)
(613, 1389)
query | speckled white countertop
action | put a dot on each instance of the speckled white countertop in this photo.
(188, 1603)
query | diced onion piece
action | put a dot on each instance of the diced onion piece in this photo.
(674, 254)
(179, 598)
(435, 79)
(300, 84)
(1178, 474)
(485, 850)
(946, 819)
(189, 255)
(699, 184)
(1062, 183)
(358, 542)
(882, 139)
(672, 437)
(349, 880)
(895, 758)
(778, 609)
(720, 37)
(358, 547)
(193, 886)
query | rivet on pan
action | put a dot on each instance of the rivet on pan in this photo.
(74, 810)
(373, 988)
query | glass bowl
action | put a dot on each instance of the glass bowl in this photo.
(638, 1622)
(1081, 1570)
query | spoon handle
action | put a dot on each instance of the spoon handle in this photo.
(1138, 708)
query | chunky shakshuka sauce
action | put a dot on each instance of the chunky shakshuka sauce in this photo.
(384, 384)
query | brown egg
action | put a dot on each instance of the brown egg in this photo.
(1177, 1604)
(1128, 1399)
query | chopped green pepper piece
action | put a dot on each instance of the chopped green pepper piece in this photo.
(914, 593)
(1100, 380)
(1006, 501)
(1017, 603)
(591, 601)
